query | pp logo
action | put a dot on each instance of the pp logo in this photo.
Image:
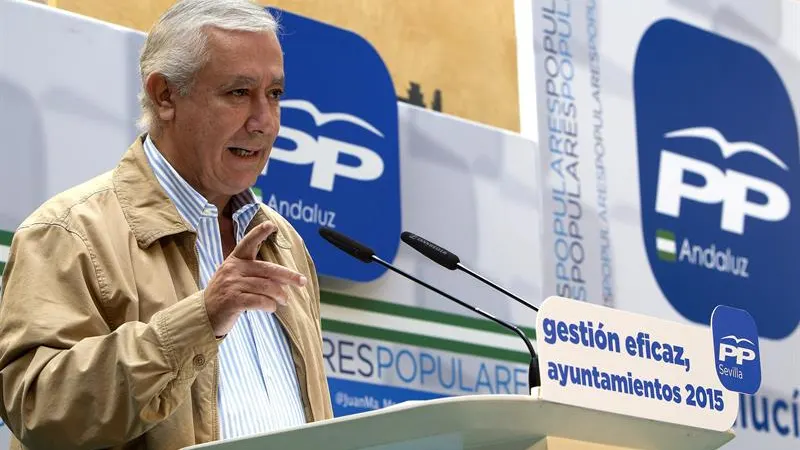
(323, 153)
(335, 162)
(729, 188)
(736, 349)
(733, 350)
(719, 169)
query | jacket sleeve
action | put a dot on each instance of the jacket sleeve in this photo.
(313, 288)
(315, 294)
(66, 379)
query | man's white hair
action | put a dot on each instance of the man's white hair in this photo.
(176, 46)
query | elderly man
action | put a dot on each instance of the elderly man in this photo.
(161, 305)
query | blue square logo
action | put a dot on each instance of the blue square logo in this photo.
(719, 168)
(736, 353)
(336, 161)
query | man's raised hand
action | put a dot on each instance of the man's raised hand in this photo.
(242, 282)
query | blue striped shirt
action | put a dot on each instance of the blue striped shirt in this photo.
(258, 387)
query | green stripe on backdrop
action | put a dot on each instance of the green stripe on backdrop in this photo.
(665, 234)
(5, 237)
(2, 267)
(666, 256)
(416, 340)
(411, 312)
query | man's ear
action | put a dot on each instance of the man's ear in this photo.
(162, 95)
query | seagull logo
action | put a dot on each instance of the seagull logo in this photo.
(738, 340)
(728, 149)
(321, 118)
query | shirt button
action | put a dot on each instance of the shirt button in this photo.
(199, 361)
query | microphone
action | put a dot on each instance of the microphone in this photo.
(365, 254)
(451, 261)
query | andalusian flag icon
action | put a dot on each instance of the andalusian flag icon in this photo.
(665, 245)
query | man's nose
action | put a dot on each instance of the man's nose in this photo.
(263, 117)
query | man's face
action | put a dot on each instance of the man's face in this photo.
(223, 130)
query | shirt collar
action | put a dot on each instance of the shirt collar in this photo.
(190, 203)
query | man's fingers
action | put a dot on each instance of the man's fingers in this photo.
(275, 272)
(248, 247)
(265, 287)
(258, 302)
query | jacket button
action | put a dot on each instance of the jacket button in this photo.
(199, 361)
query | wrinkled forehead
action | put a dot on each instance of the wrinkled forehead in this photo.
(242, 53)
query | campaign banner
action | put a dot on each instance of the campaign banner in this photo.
(609, 360)
(669, 134)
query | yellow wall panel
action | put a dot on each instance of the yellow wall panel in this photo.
(464, 48)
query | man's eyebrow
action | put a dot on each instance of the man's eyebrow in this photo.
(240, 80)
(281, 81)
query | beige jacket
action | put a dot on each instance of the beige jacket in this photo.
(104, 337)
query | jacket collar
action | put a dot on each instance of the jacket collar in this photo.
(150, 213)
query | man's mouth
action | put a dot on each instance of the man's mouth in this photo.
(242, 153)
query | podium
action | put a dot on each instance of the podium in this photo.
(491, 422)
(638, 383)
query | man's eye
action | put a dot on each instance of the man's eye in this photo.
(239, 92)
(277, 93)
